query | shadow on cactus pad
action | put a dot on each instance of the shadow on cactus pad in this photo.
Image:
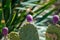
(53, 33)
(29, 32)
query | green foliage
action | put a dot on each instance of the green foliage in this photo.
(44, 7)
(12, 18)
(29, 32)
(24, 0)
(53, 30)
(0, 15)
(6, 9)
(46, 15)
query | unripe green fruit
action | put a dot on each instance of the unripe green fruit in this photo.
(14, 36)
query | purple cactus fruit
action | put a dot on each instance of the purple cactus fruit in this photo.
(29, 18)
(55, 19)
(5, 31)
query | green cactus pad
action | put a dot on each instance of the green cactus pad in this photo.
(29, 32)
(13, 36)
(53, 33)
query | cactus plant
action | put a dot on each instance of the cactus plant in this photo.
(53, 32)
(29, 32)
(9, 13)
(13, 36)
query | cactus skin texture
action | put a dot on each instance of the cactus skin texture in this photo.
(13, 36)
(53, 32)
(28, 32)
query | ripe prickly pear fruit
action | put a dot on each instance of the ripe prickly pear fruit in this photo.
(5, 31)
(55, 19)
(29, 18)
(13, 36)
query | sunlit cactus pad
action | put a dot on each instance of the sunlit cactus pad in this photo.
(29, 32)
(14, 36)
(53, 33)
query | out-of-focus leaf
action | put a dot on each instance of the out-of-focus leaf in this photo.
(45, 5)
(6, 9)
(0, 14)
(45, 16)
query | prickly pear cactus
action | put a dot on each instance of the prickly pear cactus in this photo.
(13, 36)
(29, 32)
(53, 33)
